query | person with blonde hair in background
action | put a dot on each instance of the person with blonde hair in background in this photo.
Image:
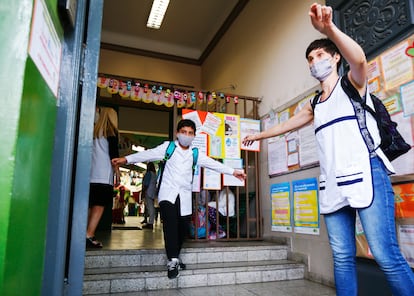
(105, 148)
(149, 184)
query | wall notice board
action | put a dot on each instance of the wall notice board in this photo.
(390, 77)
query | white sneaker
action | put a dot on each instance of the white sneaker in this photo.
(173, 266)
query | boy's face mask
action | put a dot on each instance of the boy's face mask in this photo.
(185, 140)
(321, 69)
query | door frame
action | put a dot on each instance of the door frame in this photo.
(69, 191)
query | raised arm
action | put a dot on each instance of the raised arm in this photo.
(321, 18)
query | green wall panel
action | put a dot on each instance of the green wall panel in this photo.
(30, 192)
(28, 117)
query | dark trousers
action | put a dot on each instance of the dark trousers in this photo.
(175, 227)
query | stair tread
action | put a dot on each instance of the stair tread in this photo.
(147, 271)
(209, 248)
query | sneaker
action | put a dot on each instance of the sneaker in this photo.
(181, 265)
(173, 268)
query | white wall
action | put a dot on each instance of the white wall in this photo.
(263, 53)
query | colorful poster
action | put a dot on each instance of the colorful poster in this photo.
(249, 127)
(305, 206)
(404, 200)
(397, 67)
(231, 136)
(407, 98)
(281, 208)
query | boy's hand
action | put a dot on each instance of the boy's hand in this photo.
(239, 175)
(118, 161)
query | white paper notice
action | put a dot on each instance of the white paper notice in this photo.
(229, 180)
(45, 47)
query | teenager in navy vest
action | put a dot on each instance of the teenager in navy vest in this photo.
(354, 178)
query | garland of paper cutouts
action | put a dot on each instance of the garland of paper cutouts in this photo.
(137, 91)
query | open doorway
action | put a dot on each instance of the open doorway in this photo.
(140, 128)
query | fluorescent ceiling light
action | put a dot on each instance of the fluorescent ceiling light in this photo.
(138, 148)
(159, 7)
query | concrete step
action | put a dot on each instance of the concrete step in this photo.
(145, 270)
(189, 255)
(132, 279)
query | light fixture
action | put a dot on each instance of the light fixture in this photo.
(159, 7)
(137, 148)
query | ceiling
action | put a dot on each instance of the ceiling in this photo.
(189, 32)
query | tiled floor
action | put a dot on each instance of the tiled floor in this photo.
(129, 237)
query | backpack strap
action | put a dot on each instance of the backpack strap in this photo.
(353, 94)
(315, 100)
(195, 158)
(170, 150)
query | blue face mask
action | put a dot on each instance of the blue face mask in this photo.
(185, 140)
(321, 69)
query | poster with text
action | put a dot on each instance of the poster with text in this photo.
(404, 200)
(249, 127)
(406, 242)
(230, 180)
(281, 208)
(305, 206)
(211, 180)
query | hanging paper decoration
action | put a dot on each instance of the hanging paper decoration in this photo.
(158, 99)
(113, 86)
(167, 92)
(177, 95)
(103, 82)
(182, 100)
(169, 102)
(159, 90)
(123, 89)
(200, 96)
(137, 91)
(210, 98)
(148, 96)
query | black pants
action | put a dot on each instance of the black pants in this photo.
(175, 227)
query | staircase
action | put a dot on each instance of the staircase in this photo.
(210, 265)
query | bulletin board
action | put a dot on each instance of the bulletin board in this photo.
(390, 77)
(295, 150)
